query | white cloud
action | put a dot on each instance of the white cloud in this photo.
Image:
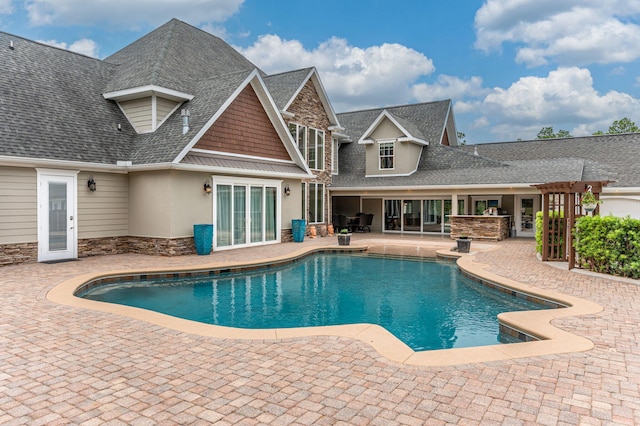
(6, 7)
(565, 99)
(449, 87)
(84, 46)
(128, 14)
(569, 32)
(354, 77)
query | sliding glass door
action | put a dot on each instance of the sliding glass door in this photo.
(246, 212)
(423, 216)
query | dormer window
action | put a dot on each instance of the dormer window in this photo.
(386, 152)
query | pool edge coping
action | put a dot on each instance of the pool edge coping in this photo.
(535, 323)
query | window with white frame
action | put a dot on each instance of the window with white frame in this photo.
(334, 156)
(299, 133)
(315, 157)
(310, 143)
(314, 205)
(387, 154)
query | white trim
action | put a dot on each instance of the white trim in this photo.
(393, 157)
(142, 91)
(438, 187)
(322, 94)
(251, 157)
(39, 162)
(215, 117)
(247, 183)
(408, 137)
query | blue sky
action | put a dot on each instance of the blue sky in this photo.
(511, 67)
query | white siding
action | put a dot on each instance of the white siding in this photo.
(18, 205)
(104, 213)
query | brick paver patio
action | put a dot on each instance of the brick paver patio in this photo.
(64, 365)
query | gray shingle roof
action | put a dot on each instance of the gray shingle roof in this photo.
(429, 119)
(284, 85)
(167, 141)
(175, 56)
(607, 157)
(271, 167)
(51, 105)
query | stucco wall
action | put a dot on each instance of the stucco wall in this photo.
(406, 154)
(166, 204)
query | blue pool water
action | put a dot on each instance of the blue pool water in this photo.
(426, 304)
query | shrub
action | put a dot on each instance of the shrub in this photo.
(556, 224)
(609, 245)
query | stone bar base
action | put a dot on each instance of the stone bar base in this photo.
(494, 228)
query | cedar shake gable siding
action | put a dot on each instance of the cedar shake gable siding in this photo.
(244, 128)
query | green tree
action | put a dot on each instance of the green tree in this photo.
(547, 133)
(462, 138)
(624, 125)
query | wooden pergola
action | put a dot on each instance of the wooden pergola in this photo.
(561, 206)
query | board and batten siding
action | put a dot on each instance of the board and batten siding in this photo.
(139, 113)
(18, 205)
(104, 213)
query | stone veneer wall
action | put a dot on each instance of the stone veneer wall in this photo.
(480, 227)
(162, 246)
(309, 111)
(14, 254)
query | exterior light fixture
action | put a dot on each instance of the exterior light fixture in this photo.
(91, 184)
(287, 190)
(207, 186)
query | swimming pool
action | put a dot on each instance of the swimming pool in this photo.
(426, 304)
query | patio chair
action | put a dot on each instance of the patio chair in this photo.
(364, 224)
(342, 223)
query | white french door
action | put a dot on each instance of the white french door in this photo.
(245, 212)
(57, 215)
(525, 215)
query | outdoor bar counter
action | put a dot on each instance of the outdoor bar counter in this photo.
(485, 227)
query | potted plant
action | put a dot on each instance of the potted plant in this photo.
(589, 202)
(344, 237)
(464, 244)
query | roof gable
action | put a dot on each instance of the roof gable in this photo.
(410, 131)
(429, 120)
(286, 88)
(244, 129)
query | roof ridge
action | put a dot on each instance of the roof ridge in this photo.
(159, 62)
(43, 44)
(395, 106)
(290, 72)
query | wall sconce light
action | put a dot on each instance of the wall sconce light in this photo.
(91, 184)
(207, 186)
(287, 190)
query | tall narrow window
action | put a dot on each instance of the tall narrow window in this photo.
(387, 150)
(315, 155)
(299, 134)
(334, 156)
(316, 203)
